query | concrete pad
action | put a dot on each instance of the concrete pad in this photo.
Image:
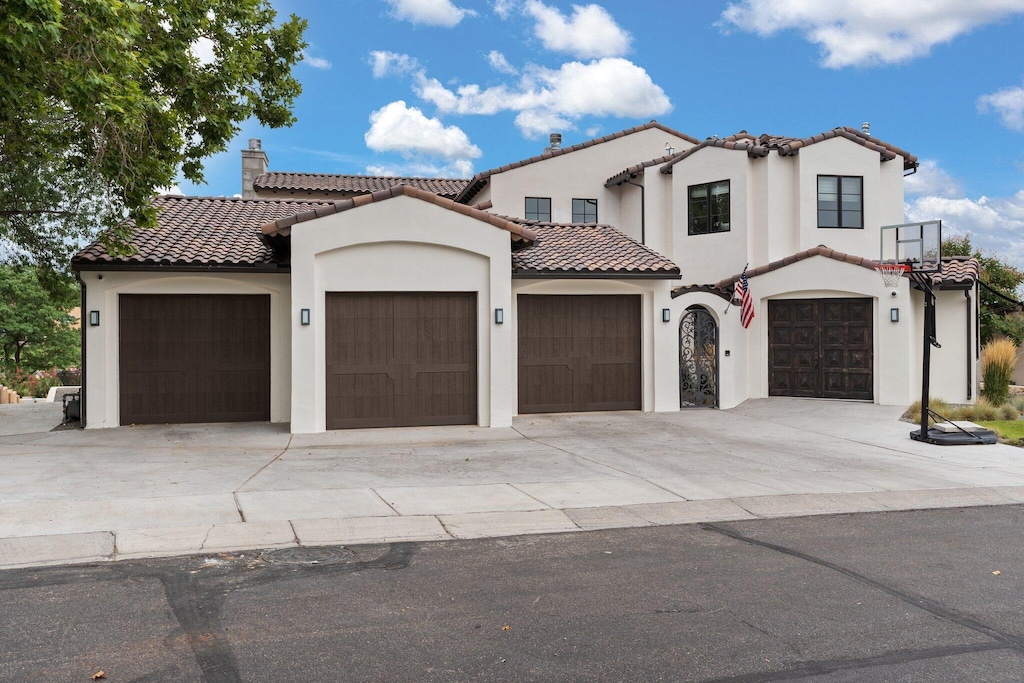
(493, 524)
(895, 479)
(810, 504)
(982, 476)
(605, 518)
(713, 486)
(368, 530)
(32, 551)
(437, 500)
(793, 482)
(690, 512)
(166, 541)
(942, 498)
(583, 494)
(262, 506)
(75, 516)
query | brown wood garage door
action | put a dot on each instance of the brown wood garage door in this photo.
(400, 360)
(821, 348)
(194, 358)
(579, 353)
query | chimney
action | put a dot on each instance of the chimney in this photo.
(556, 142)
(865, 128)
(254, 164)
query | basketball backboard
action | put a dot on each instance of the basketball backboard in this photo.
(918, 245)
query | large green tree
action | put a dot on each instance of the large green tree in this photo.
(102, 102)
(998, 312)
(36, 327)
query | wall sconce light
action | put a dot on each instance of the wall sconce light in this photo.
(94, 318)
(894, 315)
(304, 316)
(666, 315)
(499, 316)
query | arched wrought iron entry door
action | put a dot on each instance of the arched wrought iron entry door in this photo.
(698, 359)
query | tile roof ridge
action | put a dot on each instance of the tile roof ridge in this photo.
(754, 151)
(218, 198)
(477, 182)
(358, 175)
(281, 227)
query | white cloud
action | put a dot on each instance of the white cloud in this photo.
(403, 129)
(202, 49)
(503, 8)
(552, 99)
(429, 12)
(931, 180)
(500, 64)
(589, 32)
(996, 225)
(386, 63)
(315, 62)
(1008, 103)
(868, 32)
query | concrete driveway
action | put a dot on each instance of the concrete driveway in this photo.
(69, 496)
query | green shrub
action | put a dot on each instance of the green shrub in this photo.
(31, 384)
(997, 361)
(1008, 412)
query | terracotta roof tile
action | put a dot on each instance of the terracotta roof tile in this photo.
(477, 182)
(741, 142)
(958, 272)
(589, 249)
(282, 228)
(201, 231)
(357, 184)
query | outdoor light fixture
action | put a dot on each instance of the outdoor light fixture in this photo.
(94, 318)
(304, 316)
(666, 315)
(894, 315)
(499, 316)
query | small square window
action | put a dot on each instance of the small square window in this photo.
(584, 210)
(709, 208)
(840, 201)
(538, 209)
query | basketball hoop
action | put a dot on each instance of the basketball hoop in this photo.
(891, 272)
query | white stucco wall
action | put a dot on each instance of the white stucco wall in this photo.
(709, 258)
(400, 245)
(102, 362)
(581, 174)
(954, 373)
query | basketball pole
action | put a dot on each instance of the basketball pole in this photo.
(921, 279)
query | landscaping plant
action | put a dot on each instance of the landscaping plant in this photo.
(997, 361)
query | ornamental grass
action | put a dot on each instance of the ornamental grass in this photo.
(997, 361)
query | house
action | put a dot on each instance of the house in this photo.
(598, 276)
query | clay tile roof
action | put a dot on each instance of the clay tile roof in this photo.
(477, 182)
(957, 272)
(282, 227)
(724, 287)
(208, 232)
(741, 141)
(357, 184)
(588, 249)
(789, 146)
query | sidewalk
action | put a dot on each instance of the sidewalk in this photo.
(94, 495)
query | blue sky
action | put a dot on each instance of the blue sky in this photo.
(450, 87)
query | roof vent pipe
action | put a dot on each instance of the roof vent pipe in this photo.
(556, 141)
(865, 128)
(254, 143)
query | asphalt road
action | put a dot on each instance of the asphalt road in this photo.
(901, 596)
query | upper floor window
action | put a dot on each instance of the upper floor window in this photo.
(538, 209)
(709, 208)
(584, 210)
(840, 201)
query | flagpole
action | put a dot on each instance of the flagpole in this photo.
(729, 305)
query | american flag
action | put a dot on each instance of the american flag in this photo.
(746, 302)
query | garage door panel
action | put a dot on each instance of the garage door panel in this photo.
(194, 358)
(400, 359)
(579, 353)
(821, 348)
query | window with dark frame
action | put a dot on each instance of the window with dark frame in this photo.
(840, 201)
(538, 209)
(708, 208)
(584, 210)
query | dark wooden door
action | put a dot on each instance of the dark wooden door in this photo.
(821, 348)
(400, 360)
(579, 353)
(194, 358)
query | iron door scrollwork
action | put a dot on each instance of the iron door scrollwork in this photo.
(698, 360)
